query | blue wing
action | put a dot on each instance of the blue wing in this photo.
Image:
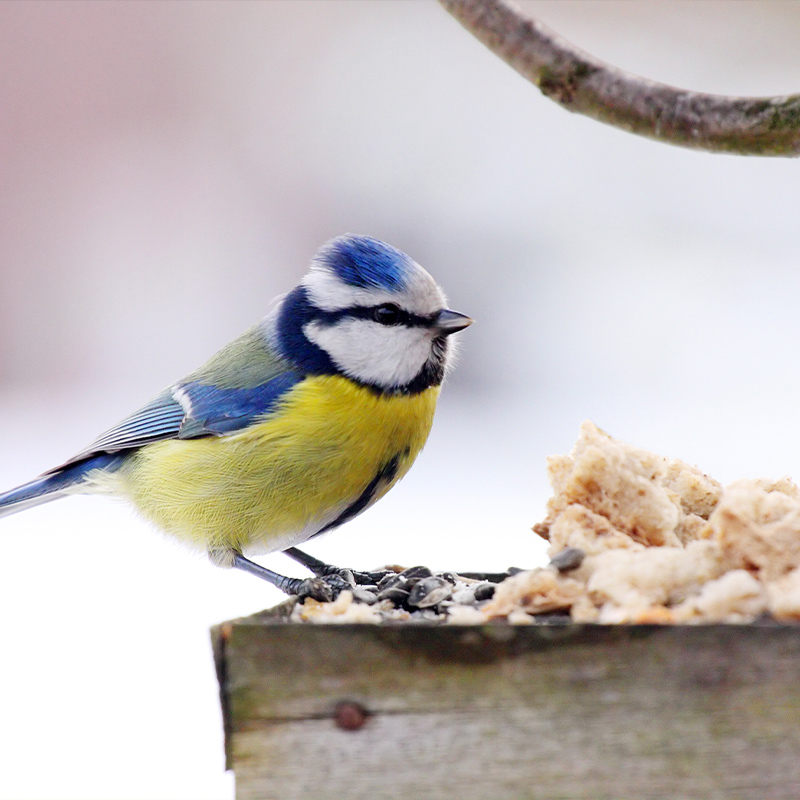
(214, 411)
(191, 410)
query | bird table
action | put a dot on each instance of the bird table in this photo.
(503, 711)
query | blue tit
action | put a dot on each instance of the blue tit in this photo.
(295, 427)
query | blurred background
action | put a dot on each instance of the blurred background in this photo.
(167, 168)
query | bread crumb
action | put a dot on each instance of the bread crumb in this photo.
(783, 597)
(757, 524)
(535, 592)
(466, 615)
(649, 498)
(735, 597)
(579, 526)
(655, 576)
(341, 610)
(664, 543)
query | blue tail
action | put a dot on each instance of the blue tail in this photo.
(53, 485)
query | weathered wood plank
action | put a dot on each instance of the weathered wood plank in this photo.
(513, 712)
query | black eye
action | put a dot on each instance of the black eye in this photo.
(386, 314)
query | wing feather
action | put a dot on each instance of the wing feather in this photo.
(241, 383)
(160, 419)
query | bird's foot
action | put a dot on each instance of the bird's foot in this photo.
(324, 589)
(328, 571)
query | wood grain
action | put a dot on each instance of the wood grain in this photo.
(512, 712)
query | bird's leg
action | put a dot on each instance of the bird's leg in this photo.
(323, 570)
(319, 568)
(317, 588)
(282, 582)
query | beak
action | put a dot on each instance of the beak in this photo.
(448, 321)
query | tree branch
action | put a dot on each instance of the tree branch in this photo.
(764, 126)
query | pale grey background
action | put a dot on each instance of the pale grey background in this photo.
(167, 168)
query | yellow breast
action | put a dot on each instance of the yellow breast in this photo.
(279, 481)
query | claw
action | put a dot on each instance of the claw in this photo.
(317, 589)
(323, 589)
(323, 570)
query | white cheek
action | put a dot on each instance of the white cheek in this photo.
(383, 355)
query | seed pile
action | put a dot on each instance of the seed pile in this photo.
(417, 594)
(413, 594)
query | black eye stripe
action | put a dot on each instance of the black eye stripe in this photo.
(404, 317)
(389, 314)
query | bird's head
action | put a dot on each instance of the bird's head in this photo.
(367, 311)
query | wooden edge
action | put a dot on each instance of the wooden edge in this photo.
(467, 644)
(220, 634)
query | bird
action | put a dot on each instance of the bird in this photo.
(292, 429)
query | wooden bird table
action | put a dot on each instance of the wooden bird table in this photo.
(502, 711)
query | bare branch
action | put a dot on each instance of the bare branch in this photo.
(764, 126)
